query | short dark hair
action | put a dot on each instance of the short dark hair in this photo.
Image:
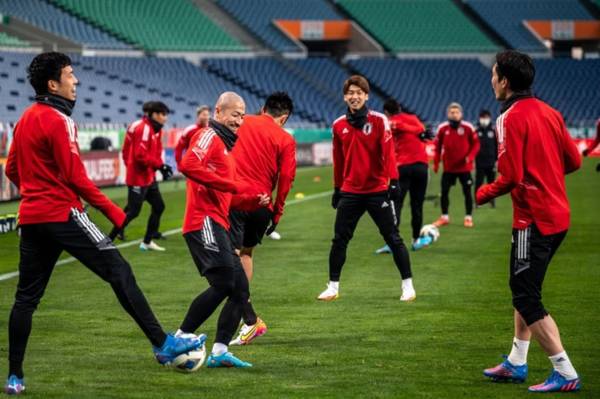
(356, 80)
(45, 67)
(392, 106)
(151, 107)
(201, 109)
(485, 112)
(517, 68)
(279, 103)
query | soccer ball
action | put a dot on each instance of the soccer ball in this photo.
(431, 231)
(190, 361)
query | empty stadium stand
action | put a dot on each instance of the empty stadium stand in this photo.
(258, 15)
(7, 40)
(52, 19)
(180, 27)
(506, 17)
(419, 25)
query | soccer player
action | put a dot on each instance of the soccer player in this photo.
(411, 159)
(457, 145)
(485, 162)
(265, 157)
(210, 169)
(365, 178)
(45, 165)
(202, 118)
(143, 149)
(535, 153)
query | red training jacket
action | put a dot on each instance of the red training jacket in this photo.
(44, 163)
(210, 170)
(535, 151)
(144, 154)
(597, 139)
(184, 141)
(406, 129)
(127, 142)
(363, 159)
(265, 157)
(457, 147)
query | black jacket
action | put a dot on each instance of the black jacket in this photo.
(488, 151)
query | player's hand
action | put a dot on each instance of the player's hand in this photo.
(273, 225)
(598, 168)
(586, 152)
(480, 195)
(263, 200)
(394, 190)
(427, 135)
(335, 198)
(166, 171)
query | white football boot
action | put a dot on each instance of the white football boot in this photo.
(152, 246)
(331, 293)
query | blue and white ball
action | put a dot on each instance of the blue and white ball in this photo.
(190, 361)
(431, 231)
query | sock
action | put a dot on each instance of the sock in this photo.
(219, 349)
(15, 368)
(562, 364)
(445, 217)
(335, 285)
(518, 353)
(407, 285)
(468, 217)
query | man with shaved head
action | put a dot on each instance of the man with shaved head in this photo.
(211, 190)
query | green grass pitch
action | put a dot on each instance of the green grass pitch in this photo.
(365, 345)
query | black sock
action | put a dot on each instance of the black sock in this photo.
(15, 368)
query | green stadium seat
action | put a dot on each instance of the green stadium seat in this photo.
(419, 25)
(181, 26)
(7, 40)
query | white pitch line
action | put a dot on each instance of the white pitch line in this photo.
(8, 276)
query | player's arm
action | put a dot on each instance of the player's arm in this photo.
(439, 144)
(249, 202)
(475, 145)
(510, 163)
(287, 174)
(181, 145)
(571, 155)
(338, 161)
(126, 147)
(142, 152)
(596, 142)
(388, 152)
(196, 166)
(12, 171)
(66, 154)
(411, 126)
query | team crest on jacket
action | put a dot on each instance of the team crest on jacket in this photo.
(367, 129)
(461, 131)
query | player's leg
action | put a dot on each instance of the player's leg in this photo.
(514, 367)
(135, 200)
(381, 213)
(38, 255)
(349, 211)
(154, 198)
(540, 249)
(466, 181)
(230, 316)
(418, 189)
(83, 240)
(448, 180)
(405, 173)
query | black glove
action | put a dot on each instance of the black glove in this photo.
(427, 135)
(394, 190)
(271, 228)
(166, 171)
(586, 152)
(598, 168)
(335, 198)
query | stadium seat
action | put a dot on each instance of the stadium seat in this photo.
(181, 26)
(419, 25)
(52, 19)
(7, 40)
(506, 17)
(258, 15)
